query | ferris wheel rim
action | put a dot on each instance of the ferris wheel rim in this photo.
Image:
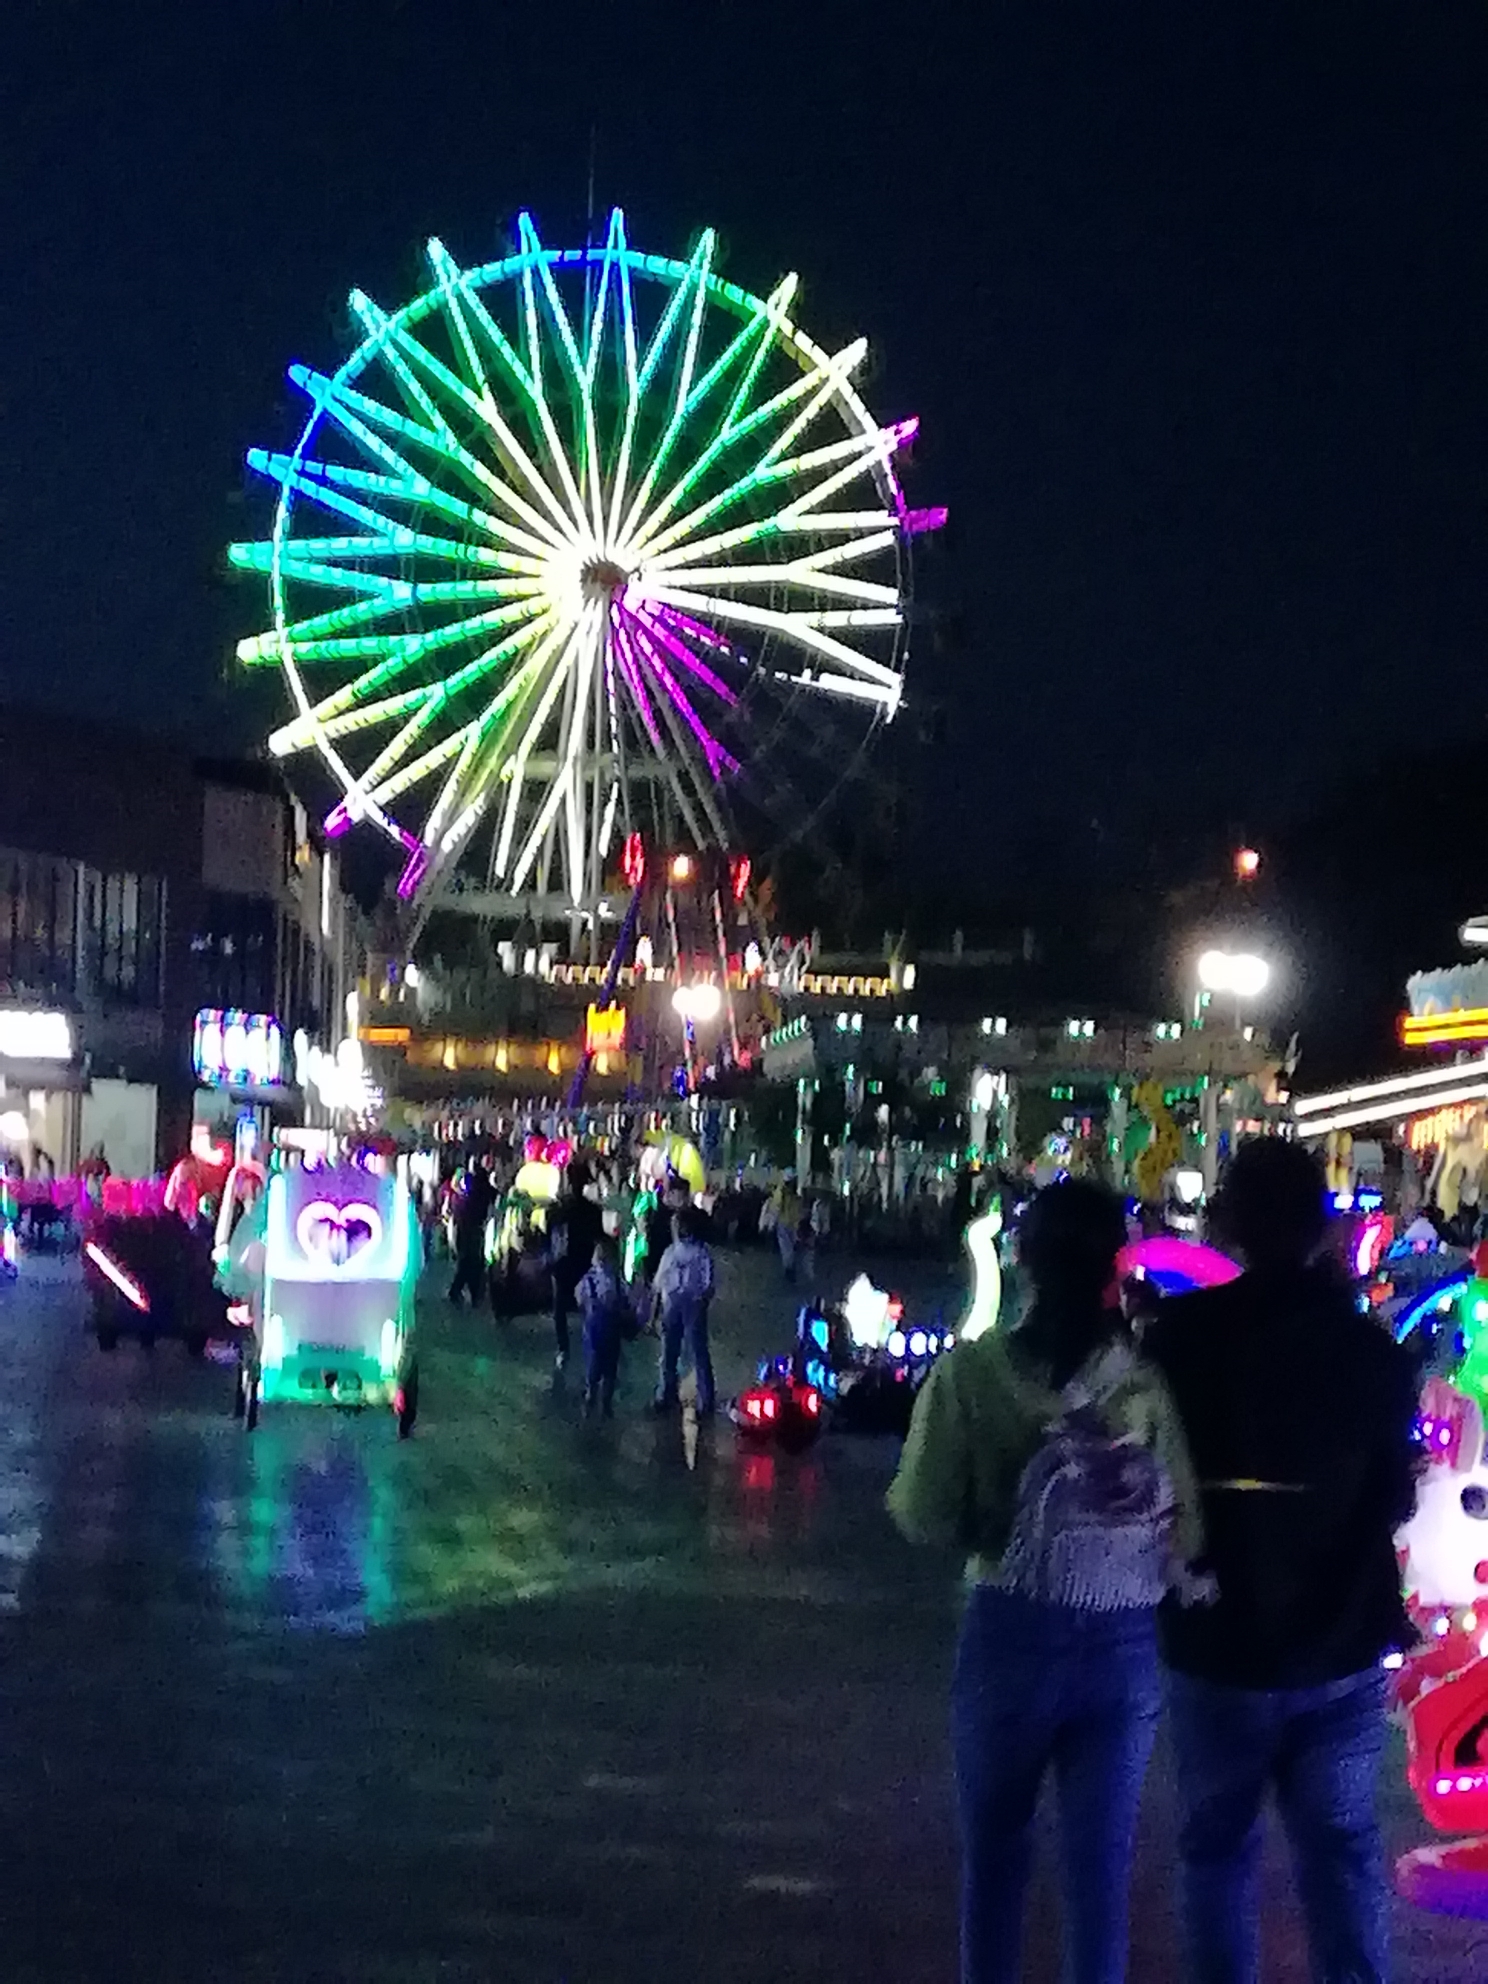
(746, 306)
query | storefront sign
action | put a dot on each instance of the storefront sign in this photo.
(232, 1049)
(35, 1036)
(1464, 1026)
(1440, 1126)
(604, 1030)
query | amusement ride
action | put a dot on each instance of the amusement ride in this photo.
(578, 544)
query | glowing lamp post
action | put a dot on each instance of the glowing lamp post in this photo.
(1243, 976)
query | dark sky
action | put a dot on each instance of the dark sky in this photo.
(1193, 301)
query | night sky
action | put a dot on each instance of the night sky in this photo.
(1192, 301)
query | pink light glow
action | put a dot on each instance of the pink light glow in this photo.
(416, 865)
(680, 651)
(916, 522)
(902, 432)
(620, 641)
(1186, 1260)
(695, 630)
(126, 1286)
(336, 822)
(713, 751)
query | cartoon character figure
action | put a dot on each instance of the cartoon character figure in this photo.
(1443, 1688)
(1446, 1540)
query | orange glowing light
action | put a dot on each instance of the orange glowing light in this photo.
(604, 1030)
(681, 868)
(1438, 1126)
(1247, 864)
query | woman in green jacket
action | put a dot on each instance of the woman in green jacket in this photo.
(1052, 1454)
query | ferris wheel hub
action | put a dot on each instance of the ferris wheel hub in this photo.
(602, 579)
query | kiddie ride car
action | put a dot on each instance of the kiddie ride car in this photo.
(323, 1272)
(1442, 1688)
(853, 1360)
(150, 1276)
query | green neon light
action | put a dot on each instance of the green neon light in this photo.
(518, 435)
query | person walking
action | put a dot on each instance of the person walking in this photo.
(1052, 1453)
(786, 1202)
(1299, 1414)
(575, 1226)
(680, 1299)
(605, 1307)
(472, 1208)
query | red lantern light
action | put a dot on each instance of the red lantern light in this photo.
(633, 860)
(740, 869)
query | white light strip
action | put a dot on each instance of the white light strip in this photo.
(1393, 1111)
(1397, 1085)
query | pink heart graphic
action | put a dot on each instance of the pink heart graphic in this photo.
(336, 1235)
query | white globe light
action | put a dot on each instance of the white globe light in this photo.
(1249, 976)
(1244, 975)
(1214, 971)
(702, 1001)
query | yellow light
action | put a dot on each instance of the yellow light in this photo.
(681, 868)
(1467, 1024)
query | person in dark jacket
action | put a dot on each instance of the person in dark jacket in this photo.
(575, 1224)
(471, 1211)
(1299, 1413)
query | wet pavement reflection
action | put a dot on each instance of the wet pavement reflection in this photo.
(520, 1698)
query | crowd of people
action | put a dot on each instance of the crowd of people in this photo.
(669, 1299)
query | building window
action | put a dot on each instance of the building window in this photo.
(38, 927)
(124, 918)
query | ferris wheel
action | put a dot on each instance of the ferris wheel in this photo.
(580, 543)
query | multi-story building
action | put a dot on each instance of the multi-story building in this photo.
(138, 886)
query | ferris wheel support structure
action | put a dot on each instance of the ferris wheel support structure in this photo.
(558, 544)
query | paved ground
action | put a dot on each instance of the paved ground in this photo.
(516, 1700)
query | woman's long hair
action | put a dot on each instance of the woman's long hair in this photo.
(1068, 1241)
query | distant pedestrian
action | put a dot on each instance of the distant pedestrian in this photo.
(574, 1226)
(605, 1307)
(786, 1202)
(1052, 1453)
(680, 1299)
(1299, 1414)
(473, 1200)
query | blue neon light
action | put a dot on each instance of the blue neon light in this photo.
(1436, 1300)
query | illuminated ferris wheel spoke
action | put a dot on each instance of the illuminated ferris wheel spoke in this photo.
(561, 486)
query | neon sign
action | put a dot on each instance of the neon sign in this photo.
(233, 1049)
(1440, 1126)
(604, 1030)
(1464, 1027)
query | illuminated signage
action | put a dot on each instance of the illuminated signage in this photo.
(1439, 1126)
(35, 1036)
(604, 1030)
(1464, 1027)
(230, 1049)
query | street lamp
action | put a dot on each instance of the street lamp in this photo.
(1240, 973)
(702, 1001)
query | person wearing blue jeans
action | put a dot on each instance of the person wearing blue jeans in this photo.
(681, 1295)
(1056, 1668)
(1318, 1749)
(1050, 1689)
(1299, 1413)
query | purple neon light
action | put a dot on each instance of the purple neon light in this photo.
(713, 751)
(902, 432)
(696, 630)
(336, 822)
(917, 521)
(680, 651)
(620, 642)
(417, 865)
